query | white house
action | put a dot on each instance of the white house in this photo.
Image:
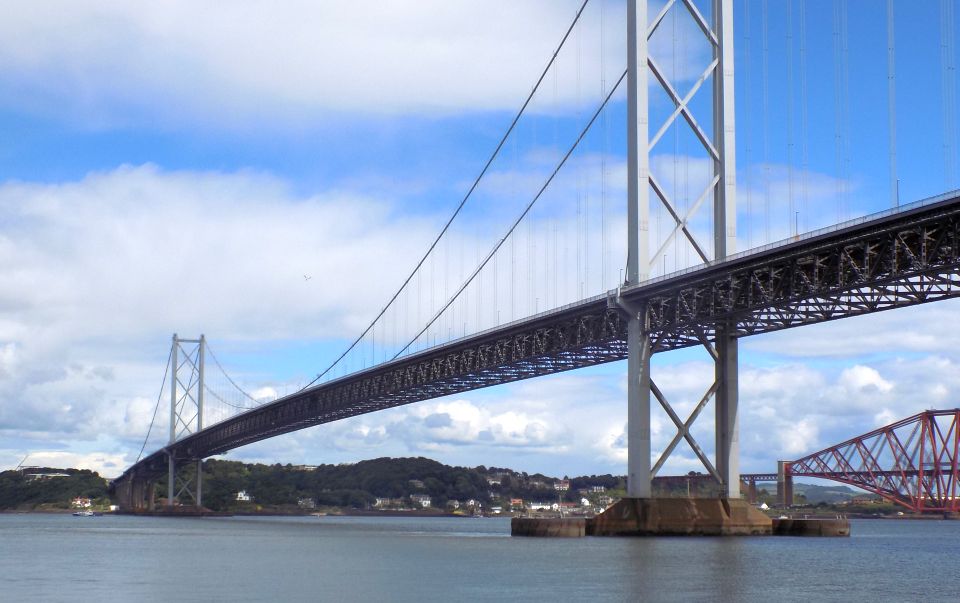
(542, 506)
(421, 499)
(242, 496)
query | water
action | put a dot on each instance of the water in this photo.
(122, 558)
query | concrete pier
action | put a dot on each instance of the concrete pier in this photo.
(811, 527)
(680, 516)
(558, 527)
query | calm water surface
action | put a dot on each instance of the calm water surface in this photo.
(122, 558)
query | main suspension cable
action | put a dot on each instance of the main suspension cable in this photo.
(232, 382)
(466, 197)
(230, 404)
(519, 219)
(166, 371)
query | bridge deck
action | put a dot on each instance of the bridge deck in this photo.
(882, 262)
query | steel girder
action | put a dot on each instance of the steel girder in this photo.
(900, 259)
(758, 477)
(912, 462)
(858, 270)
(556, 343)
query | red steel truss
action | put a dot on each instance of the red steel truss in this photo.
(912, 462)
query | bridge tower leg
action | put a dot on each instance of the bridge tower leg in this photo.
(639, 474)
(186, 413)
(731, 514)
(725, 243)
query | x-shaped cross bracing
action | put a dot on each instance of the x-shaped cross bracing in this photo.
(681, 107)
(682, 220)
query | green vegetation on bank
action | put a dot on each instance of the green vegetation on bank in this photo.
(382, 484)
(395, 480)
(46, 488)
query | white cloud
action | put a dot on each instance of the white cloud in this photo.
(915, 329)
(253, 64)
(864, 379)
(292, 61)
(797, 437)
(461, 422)
(137, 249)
(106, 464)
(265, 393)
(99, 272)
(103, 269)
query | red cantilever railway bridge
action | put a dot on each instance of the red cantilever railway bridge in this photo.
(913, 463)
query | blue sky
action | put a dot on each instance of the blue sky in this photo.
(180, 169)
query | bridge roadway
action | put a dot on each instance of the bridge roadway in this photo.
(885, 261)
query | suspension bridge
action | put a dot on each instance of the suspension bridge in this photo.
(434, 338)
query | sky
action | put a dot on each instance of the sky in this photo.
(268, 174)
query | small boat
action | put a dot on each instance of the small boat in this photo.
(85, 514)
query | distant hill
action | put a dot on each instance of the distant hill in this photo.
(352, 485)
(48, 487)
(827, 494)
(359, 485)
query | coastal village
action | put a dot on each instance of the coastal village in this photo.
(553, 497)
(405, 486)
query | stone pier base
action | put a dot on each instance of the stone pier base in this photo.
(678, 517)
(548, 527)
(811, 527)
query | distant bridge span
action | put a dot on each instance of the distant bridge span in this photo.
(885, 261)
(913, 462)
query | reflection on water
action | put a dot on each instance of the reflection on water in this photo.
(65, 558)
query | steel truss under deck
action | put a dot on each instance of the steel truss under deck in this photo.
(877, 265)
(900, 259)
